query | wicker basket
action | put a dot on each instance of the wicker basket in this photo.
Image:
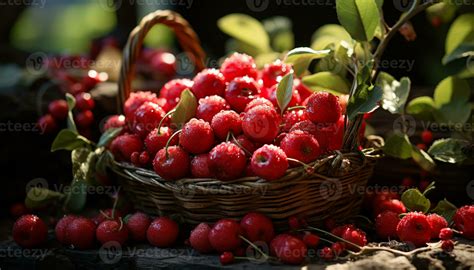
(330, 187)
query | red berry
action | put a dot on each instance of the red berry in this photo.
(447, 245)
(58, 109)
(436, 22)
(135, 159)
(164, 63)
(355, 236)
(162, 232)
(84, 102)
(196, 136)
(225, 122)
(257, 227)
(306, 126)
(172, 164)
(61, 226)
(135, 101)
(408, 182)
(155, 141)
(269, 162)
(302, 89)
(261, 124)
(414, 228)
(112, 230)
(200, 166)
(114, 121)
(389, 205)
(464, 221)
(330, 135)
(338, 248)
(225, 235)
(226, 258)
(84, 119)
(289, 249)
(240, 91)
(210, 106)
(47, 124)
(301, 146)
(311, 240)
(29, 231)
(137, 225)
(239, 65)
(446, 234)
(172, 90)
(208, 82)
(290, 118)
(274, 72)
(437, 223)
(18, 209)
(246, 144)
(123, 146)
(323, 107)
(339, 230)
(386, 224)
(427, 137)
(199, 238)
(107, 214)
(81, 233)
(147, 117)
(227, 161)
(257, 102)
(326, 253)
(422, 146)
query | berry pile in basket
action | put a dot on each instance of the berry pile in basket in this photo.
(233, 125)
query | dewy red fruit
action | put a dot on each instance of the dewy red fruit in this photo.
(107, 214)
(114, 121)
(164, 63)
(311, 240)
(290, 118)
(84, 119)
(390, 205)
(323, 107)
(289, 249)
(261, 124)
(208, 82)
(464, 221)
(326, 253)
(447, 245)
(172, 164)
(61, 226)
(427, 137)
(58, 109)
(257, 102)
(225, 235)
(301, 146)
(196, 136)
(272, 73)
(135, 100)
(240, 91)
(47, 124)
(29, 231)
(162, 232)
(112, 230)
(147, 117)
(386, 224)
(355, 236)
(257, 227)
(199, 238)
(200, 166)
(123, 146)
(246, 144)
(172, 90)
(269, 162)
(302, 89)
(414, 228)
(81, 233)
(437, 223)
(446, 234)
(225, 122)
(137, 225)
(226, 258)
(210, 106)
(239, 65)
(84, 102)
(227, 161)
(155, 141)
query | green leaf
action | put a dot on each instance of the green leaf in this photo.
(285, 91)
(329, 33)
(366, 99)
(422, 159)
(445, 209)
(300, 58)
(398, 146)
(422, 108)
(326, 81)
(76, 196)
(40, 197)
(71, 103)
(454, 112)
(359, 17)
(451, 89)
(395, 93)
(464, 50)
(379, 3)
(186, 108)
(245, 29)
(448, 150)
(415, 201)
(337, 60)
(108, 136)
(461, 31)
(69, 140)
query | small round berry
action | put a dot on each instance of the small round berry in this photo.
(389, 205)
(197, 136)
(447, 245)
(239, 65)
(199, 238)
(246, 144)
(386, 224)
(225, 235)
(135, 159)
(338, 248)
(274, 72)
(323, 107)
(144, 158)
(114, 121)
(137, 225)
(414, 228)
(200, 167)
(261, 124)
(422, 146)
(464, 221)
(437, 223)
(302, 89)
(289, 249)
(29, 231)
(172, 164)
(427, 137)
(58, 109)
(301, 146)
(164, 63)
(84, 119)
(172, 90)
(162, 232)
(227, 161)
(155, 141)
(226, 258)
(61, 226)
(355, 236)
(135, 100)
(210, 106)
(326, 253)
(290, 118)
(240, 91)
(208, 82)
(257, 102)
(446, 234)
(123, 146)
(257, 227)
(225, 122)
(84, 102)
(147, 117)
(311, 240)
(269, 162)
(80, 233)
(47, 124)
(112, 230)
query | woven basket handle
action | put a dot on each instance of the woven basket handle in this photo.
(185, 34)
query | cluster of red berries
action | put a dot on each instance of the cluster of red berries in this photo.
(237, 130)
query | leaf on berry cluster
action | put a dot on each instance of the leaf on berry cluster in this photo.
(422, 159)
(245, 29)
(366, 99)
(71, 103)
(446, 209)
(415, 201)
(463, 51)
(327, 81)
(108, 136)
(359, 17)
(285, 91)
(398, 146)
(76, 196)
(186, 108)
(40, 197)
(422, 108)
(461, 31)
(300, 58)
(395, 93)
(449, 150)
(451, 98)
(69, 140)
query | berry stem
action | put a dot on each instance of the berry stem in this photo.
(299, 162)
(163, 119)
(239, 145)
(296, 108)
(335, 236)
(169, 141)
(255, 247)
